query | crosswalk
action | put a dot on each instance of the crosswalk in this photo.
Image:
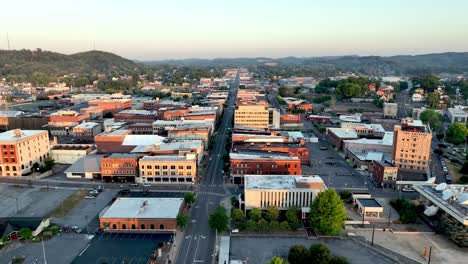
(220, 194)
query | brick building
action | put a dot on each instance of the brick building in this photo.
(94, 112)
(293, 149)
(385, 174)
(141, 128)
(111, 142)
(252, 115)
(336, 136)
(61, 123)
(22, 151)
(262, 164)
(119, 167)
(87, 130)
(190, 133)
(151, 215)
(136, 116)
(412, 146)
(112, 105)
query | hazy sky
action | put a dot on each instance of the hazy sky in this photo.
(161, 29)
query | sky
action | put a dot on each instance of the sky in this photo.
(176, 29)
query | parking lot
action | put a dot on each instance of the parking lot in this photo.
(30, 201)
(118, 248)
(262, 249)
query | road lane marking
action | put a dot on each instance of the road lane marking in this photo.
(83, 251)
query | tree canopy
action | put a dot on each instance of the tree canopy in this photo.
(189, 198)
(431, 117)
(327, 213)
(255, 214)
(433, 99)
(237, 214)
(182, 220)
(219, 219)
(428, 82)
(456, 133)
(272, 213)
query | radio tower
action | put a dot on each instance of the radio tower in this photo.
(8, 41)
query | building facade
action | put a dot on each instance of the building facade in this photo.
(251, 115)
(168, 169)
(412, 146)
(384, 174)
(22, 151)
(87, 130)
(390, 110)
(119, 167)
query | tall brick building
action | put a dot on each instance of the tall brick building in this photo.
(412, 146)
(119, 167)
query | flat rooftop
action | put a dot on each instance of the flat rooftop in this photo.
(343, 132)
(71, 147)
(368, 202)
(122, 155)
(136, 140)
(87, 125)
(387, 140)
(260, 155)
(137, 112)
(164, 208)
(177, 145)
(166, 158)
(283, 182)
(90, 163)
(10, 136)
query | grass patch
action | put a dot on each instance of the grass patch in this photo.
(68, 204)
(454, 170)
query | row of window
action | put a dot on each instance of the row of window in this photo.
(133, 226)
(413, 156)
(118, 165)
(119, 172)
(245, 165)
(164, 167)
(169, 179)
(165, 173)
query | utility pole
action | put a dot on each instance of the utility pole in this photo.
(389, 216)
(373, 231)
(429, 259)
(8, 41)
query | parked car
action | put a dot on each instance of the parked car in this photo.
(448, 179)
(100, 189)
(90, 196)
(134, 184)
(124, 191)
(146, 185)
(76, 229)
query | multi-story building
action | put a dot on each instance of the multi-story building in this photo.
(190, 133)
(168, 168)
(390, 110)
(262, 164)
(251, 115)
(111, 104)
(293, 149)
(141, 128)
(365, 130)
(160, 126)
(282, 191)
(22, 151)
(384, 173)
(119, 167)
(290, 121)
(457, 115)
(173, 148)
(70, 153)
(136, 116)
(94, 112)
(336, 136)
(87, 130)
(62, 122)
(412, 146)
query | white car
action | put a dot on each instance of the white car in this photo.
(146, 185)
(89, 197)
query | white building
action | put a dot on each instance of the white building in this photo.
(457, 115)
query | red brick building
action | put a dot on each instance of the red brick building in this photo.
(111, 142)
(384, 173)
(173, 114)
(112, 105)
(294, 150)
(136, 116)
(262, 164)
(141, 128)
(119, 167)
(149, 215)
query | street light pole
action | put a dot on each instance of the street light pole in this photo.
(373, 231)
(429, 259)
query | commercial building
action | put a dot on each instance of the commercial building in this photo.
(274, 118)
(136, 116)
(119, 167)
(412, 146)
(288, 121)
(162, 126)
(190, 133)
(141, 128)
(350, 118)
(293, 149)
(168, 169)
(87, 130)
(365, 130)
(62, 122)
(282, 191)
(111, 104)
(22, 151)
(87, 167)
(122, 141)
(384, 144)
(70, 153)
(457, 115)
(336, 136)
(369, 208)
(181, 147)
(385, 174)
(252, 115)
(141, 215)
(298, 104)
(243, 163)
(390, 110)
(94, 112)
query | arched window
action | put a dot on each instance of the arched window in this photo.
(133, 226)
(124, 226)
(114, 226)
(142, 226)
(152, 226)
(161, 227)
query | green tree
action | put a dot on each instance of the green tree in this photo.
(219, 219)
(272, 213)
(49, 162)
(293, 220)
(327, 213)
(427, 82)
(276, 260)
(431, 117)
(433, 99)
(298, 254)
(25, 233)
(189, 198)
(250, 225)
(346, 196)
(456, 133)
(263, 224)
(255, 214)
(319, 253)
(182, 220)
(237, 214)
(284, 225)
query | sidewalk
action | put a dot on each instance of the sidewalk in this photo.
(179, 235)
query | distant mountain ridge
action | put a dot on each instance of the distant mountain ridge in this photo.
(26, 62)
(450, 62)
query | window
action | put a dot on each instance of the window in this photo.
(114, 226)
(142, 226)
(157, 167)
(164, 167)
(161, 227)
(124, 226)
(172, 167)
(133, 226)
(189, 167)
(181, 167)
(152, 226)
(149, 167)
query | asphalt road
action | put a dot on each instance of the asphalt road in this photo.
(198, 245)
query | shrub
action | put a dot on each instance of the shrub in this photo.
(47, 234)
(255, 214)
(406, 210)
(25, 233)
(284, 225)
(347, 197)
